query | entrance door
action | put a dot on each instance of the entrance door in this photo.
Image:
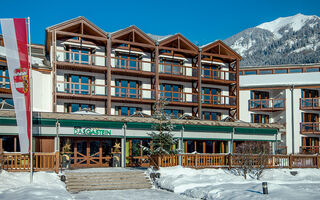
(91, 153)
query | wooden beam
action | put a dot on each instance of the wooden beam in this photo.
(133, 43)
(219, 56)
(199, 87)
(179, 50)
(156, 59)
(109, 76)
(82, 35)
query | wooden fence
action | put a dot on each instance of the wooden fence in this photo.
(199, 161)
(16, 162)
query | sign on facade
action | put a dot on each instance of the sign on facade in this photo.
(91, 131)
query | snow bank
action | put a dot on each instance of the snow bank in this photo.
(225, 184)
(45, 186)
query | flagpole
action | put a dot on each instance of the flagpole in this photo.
(30, 86)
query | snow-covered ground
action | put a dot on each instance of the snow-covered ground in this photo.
(16, 186)
(224, 184)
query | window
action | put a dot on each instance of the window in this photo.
(128, 61)
(10, 143)
(171, 92)
(170, 66)
(127, 88)
(295, 70)
(74, 107)
(4, 78)
(252, 72)
(7, 100)
(211, 95)
(260, 118)
(211, 71)
(259, 95)
(77, 84)
(281, 71)
(79, 55)
(175, 114)
(312, 69)
(265, 71)
(127, 111)
(215, 116)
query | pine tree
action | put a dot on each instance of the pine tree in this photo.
(162, 138)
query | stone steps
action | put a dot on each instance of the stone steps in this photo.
(88, 181)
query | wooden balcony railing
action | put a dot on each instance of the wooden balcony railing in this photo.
(5, 82)
(178, 70)
(81, 58)
(81, 88)
(132, 64)
(310, 149)
(231, 161)
(132, 93)
(310, 128)
(216, 74)
(21, 162)
(183, 97)
(267, 104)
(310, 103)
(219, 100)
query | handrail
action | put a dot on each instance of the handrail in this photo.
(71, 88)
(310, 103)
(185, 97)
(138, 93)
(180, 70)
(267, 104)
(310, 127)
(218, 99)
(76, 58)
(138, 64)
(217, 74)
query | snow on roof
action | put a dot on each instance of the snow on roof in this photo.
(279, 66)
(158, 38)
(35, 60)
(208, 44)
(296, 79)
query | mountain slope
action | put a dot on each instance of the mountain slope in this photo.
(286, 40)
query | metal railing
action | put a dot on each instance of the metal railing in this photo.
(310, 103)
(81, 58)
(81, 88)
(310, 127)
(217, 74)
(267, 104)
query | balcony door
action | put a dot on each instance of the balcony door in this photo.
(310, 93)
(310, 117)
(127, 88)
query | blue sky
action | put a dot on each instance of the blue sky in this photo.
(200, 21)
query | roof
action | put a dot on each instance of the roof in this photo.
(280, 66)
(115, 119)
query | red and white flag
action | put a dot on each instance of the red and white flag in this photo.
(16, 44)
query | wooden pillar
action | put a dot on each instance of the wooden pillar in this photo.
(185, 146)
(195, 145)
(109, 75)
(199, 86)
(156, 70)
(222, 147)
(54, 72)
(203, 147)
(213, 146)
(15, 144)
(237, 90)
(1, 146)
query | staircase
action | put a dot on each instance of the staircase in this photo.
(88, 181)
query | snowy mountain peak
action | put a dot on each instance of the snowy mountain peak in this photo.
(286, 40)
(295, 22)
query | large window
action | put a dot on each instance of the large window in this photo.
(215, 116)
(260, 118)
(171, 92)
(79, 55)
(74, 107)
(173, 113)
(10, 143)
(78, 84)
(210, 71)
(128, 61)
(4, 78)
(127, 88)
(8, 101)
(211, 95)
(127, 111)
(170, 66)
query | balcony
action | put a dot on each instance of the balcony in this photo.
(81, 90)
(310, 128)
(179, 98)
(209, 100)
(80, 61)
(310, 103)
(309, 149)
(218, 76)
(127, 66)
(125, 94)
(267, 105)
(177, 72)
(5, 86)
